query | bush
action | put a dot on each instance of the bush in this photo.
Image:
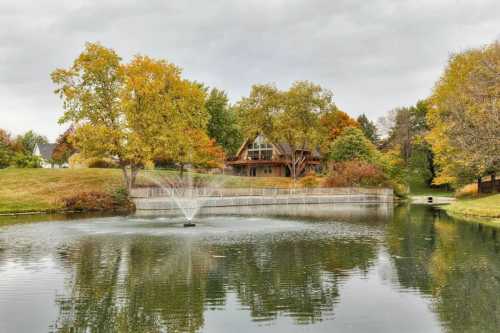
(467, 191)
(351, 145)
(100, 163)
(26, 161)
(355, 173)
(97, 201)
(5, 156)
(310, 180)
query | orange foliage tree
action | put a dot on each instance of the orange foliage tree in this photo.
(332, 124)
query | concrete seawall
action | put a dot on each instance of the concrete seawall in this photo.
(166, 203)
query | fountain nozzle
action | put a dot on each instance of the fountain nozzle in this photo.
(189, 223)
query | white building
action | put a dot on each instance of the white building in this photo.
(44, 151)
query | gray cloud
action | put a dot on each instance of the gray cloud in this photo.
(374, 55)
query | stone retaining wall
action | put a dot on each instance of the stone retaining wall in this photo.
(154, 192)
(166, 203)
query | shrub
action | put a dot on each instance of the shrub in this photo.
(355, 173)
(97, 201)
(310, 180)
(5, 155)
(100, 163)
(351, 145)
(22, 160)
(467, 191)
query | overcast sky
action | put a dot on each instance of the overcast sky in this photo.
(373, 54)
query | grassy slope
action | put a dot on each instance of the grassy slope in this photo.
(24, 190)
(488, 206)
(27, 190)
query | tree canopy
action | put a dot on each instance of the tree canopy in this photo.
(368, 127)
(132, 113)
(332, 124)
(223, 126)
(352, 144)
(290, 117)
(465, 116)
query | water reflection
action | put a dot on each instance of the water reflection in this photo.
(378, 270)
(455, 262)
(147, 284)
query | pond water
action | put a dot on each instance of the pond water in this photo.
(345, 268)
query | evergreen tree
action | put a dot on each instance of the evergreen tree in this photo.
(368, 127)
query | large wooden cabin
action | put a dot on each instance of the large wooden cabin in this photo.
(259, 158)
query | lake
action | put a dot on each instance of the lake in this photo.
(342, 268)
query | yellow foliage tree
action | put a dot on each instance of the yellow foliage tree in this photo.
(132, 113)
(465, 116)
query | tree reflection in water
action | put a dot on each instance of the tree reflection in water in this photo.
(455, 262)
(126, 280)
(153, 284)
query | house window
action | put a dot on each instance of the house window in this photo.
(268, 170)
(260, 149)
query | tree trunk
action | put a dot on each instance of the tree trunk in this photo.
(181, 171)
(130, 178)
(134, 171)
(478, 184)
(493, 183)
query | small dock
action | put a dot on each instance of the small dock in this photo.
(431, 200)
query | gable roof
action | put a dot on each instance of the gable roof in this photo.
(46, 150)
(284, 148)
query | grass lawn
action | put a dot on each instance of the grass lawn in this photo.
(419, 188)
(485, 206)
(29, 190)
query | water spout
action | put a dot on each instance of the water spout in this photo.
(183, 192)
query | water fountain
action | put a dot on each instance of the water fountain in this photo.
(187, 194)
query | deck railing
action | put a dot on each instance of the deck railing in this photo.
(154, 192)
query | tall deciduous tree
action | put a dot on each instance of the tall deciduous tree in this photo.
(406, 128)
(6, 155)
(29, 140)
(465, 116)
(91, 90)
(131, 113)
(290, 117)
(332, 124)
(165, 111)
(352, 144)
(222, 126)
(64, 146)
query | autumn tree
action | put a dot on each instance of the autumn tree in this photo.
(91, 92)
(465, 116)
(288, 117)
(222, 126)
(64, 146)
(6, 153)
(332, 124)
(406, 129)
(130, 113)
(30, 139)
(197, 149)
(352, 144)
(18, 151)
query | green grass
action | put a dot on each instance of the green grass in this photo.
(146, 178)
(485, 207)
(34, 190)
(419, 188)
(28, 190)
